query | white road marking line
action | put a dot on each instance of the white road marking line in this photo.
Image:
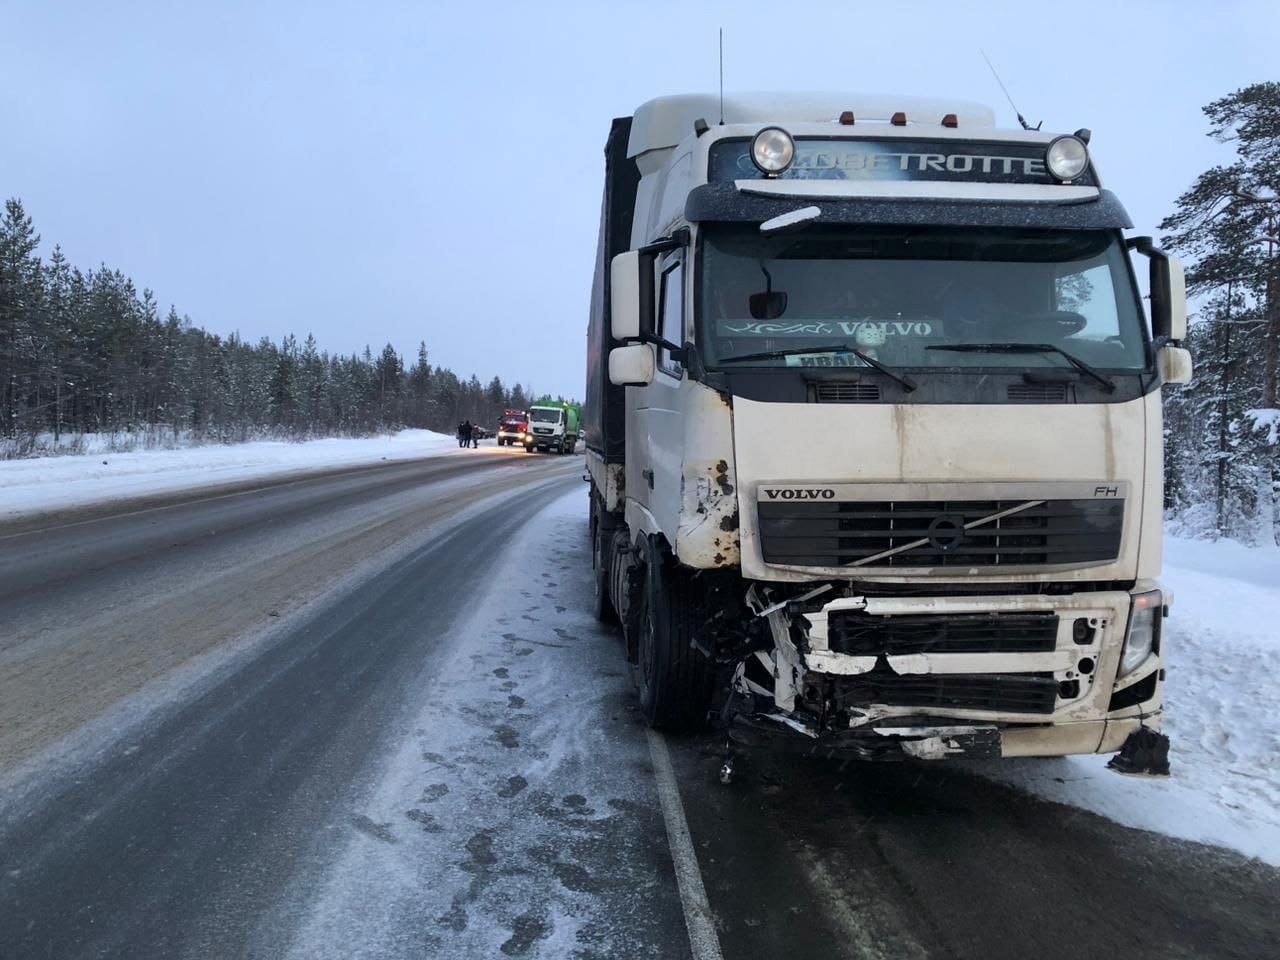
(704, 942)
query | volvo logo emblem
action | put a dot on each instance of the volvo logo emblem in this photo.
(946, 532)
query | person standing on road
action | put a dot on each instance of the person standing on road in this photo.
(462, 431)
(468, 433)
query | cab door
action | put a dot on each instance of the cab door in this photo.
(653, 478)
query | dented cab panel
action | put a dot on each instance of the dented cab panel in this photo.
(707, 532)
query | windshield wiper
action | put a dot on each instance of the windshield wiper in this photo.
(906, 382)
(1104, 381)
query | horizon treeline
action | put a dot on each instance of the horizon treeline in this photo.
(83, 352)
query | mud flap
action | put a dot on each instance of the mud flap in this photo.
(1144, 753)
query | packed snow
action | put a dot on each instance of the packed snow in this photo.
(1222, 653)
(48, 484)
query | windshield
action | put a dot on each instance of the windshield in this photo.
(546, 416)
(894, 292)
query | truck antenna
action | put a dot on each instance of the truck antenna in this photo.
(722, 76)
(991, 67)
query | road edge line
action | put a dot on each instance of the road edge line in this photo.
(704, 942)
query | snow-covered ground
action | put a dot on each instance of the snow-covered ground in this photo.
(518, 813)
(45, 484)
(1222, 712)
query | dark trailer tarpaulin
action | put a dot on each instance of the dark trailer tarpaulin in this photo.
(602, 413)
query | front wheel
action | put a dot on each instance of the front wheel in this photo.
(675, 678)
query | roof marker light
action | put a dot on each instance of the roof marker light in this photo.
(899, 119)
(950, 120)
(846, 118)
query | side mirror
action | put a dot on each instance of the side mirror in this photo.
(632, 365)
(1168, 286)
(1174, 364)
(1177, 297)
(624, 296)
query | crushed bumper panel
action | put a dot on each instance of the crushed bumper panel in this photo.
(934, 677)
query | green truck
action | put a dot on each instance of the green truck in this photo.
(553, 426)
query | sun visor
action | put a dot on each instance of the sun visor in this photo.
(726, 202)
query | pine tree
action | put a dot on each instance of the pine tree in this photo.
(20, 290)
(1228, 225)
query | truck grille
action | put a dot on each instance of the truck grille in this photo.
(1010, 692)
(863, 634)
(833, 533)
(839, 392)
(1037, 392)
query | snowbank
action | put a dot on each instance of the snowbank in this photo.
(1222, 648)
(56, 483)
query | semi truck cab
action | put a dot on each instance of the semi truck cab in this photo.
(874, 427)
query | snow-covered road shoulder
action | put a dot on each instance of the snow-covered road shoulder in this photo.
(1222, 649)
(50, 484)
(517, 815)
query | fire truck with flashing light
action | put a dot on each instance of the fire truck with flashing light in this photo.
(513, 428)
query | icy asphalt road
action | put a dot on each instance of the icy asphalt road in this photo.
(371, 716)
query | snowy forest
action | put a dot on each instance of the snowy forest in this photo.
(1222, 431)
(85, 353)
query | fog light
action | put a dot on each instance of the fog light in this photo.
(1067, 157)
(773, 150)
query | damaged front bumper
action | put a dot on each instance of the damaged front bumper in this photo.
(943, 677)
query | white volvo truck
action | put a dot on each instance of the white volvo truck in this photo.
(874, 430)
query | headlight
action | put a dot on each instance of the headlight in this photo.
(1067, 157)
(773, 150)
(1144, 629)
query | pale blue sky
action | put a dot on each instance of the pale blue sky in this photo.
(401, 171)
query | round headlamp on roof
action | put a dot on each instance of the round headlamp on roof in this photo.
(1066, 158)
(772, 151)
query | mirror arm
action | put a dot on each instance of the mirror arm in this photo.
(676, 240)
(692, 361)
(677, 352)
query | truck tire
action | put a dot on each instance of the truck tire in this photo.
(675, 678)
